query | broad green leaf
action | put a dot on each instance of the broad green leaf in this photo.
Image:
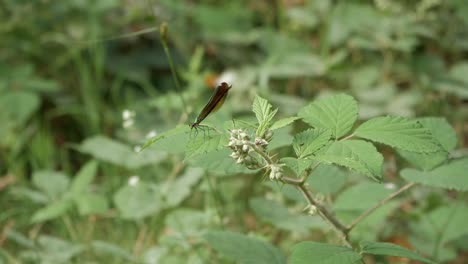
(139, 201)
(56, 250)
(219, 163)
(398, 132)
(297, 165)
(452, 175)
(51, 211)
(367, 152)
(337, 113)
(113, 250)
(281, 138)
(189, 222)
(272, 212)
(244, 249)
(83, 178)
(361, 157)
(361, 196)
(308, 142)
(327, 179)
(284, 122)
(389, 249)
(91, 203)
(18, 106)
(441, 130)
(174, 137)
(264, 114)
(439, 227)
(204, 144)
(174, 192)
(321, 253)
(52, 183)
(112, 151)
(444, 134)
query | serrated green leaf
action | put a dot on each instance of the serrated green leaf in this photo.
(264, 114)
(51, 211)
(398, 132)
(389, 249)
(367, 153)
(204, 144)
(444, 134)
(452, 175)
(441, 130)
(320, 253)
(359, 156)
(284, 122)
(83, 178)
(337, 113)
(244, 249)
(297, 165)
(308, 142)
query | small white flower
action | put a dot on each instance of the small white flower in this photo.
(133, 180)
(151, 134)
(137, 149)
(127, 114)
(389, 186)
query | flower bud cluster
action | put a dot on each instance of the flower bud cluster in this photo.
(239, 143)
(276, 172)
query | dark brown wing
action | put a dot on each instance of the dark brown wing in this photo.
(215, 102)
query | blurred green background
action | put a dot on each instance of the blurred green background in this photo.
(84, 83)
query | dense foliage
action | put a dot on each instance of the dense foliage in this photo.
(342, 140)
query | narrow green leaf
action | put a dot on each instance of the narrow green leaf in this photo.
(284, 122)
(84, 178)
(398, 132)
(452, 175)
(320, 253)
(112, 250)
(308, 142)
(244, 249)
(51, 211)
(337, 113)
(264, 113)
(389, 249)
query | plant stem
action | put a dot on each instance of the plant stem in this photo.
(339, 228)
(375, 207)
